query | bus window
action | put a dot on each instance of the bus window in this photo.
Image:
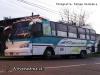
(46, 27)
(87, 34)
(93, 37)
(92, 34)
(53, 28)
(36, 29)
(72, 32)
(81, 33)
(87, 31)
(61, 30)
(20, 30)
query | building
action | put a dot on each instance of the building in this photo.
(10, 21)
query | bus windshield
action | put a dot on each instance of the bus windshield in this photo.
(22, 30)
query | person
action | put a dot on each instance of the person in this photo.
(93, 48)
(4, 37)
(98, 46)
(1, 37)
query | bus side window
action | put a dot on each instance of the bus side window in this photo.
(81, 33)
(61, 30)
(72, 32)
(87, 34)
(53, 28)
(46, 27)
(92, 35)
(37, 29)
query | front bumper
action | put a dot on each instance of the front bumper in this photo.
(18, 52)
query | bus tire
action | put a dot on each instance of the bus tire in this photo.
(83, 54)
(49, 52)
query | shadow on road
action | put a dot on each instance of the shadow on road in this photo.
(35, 58)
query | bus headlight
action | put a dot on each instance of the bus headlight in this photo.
(24, 45)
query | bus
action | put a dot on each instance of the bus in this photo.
(40, 36)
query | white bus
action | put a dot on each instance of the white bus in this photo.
(48, 38)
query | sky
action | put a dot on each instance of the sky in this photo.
(50, 10)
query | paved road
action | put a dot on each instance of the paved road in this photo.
(89, 66)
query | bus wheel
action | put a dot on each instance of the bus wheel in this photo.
(83, 54)
(48, 53)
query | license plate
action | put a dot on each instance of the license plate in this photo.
(11, 53)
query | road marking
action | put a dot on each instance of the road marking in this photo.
(70, 66)
(66, 66)
(58, 67)
(2, 71)
(97, 63)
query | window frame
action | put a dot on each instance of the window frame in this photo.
(72, 26)
(72, 32)
(66, 31)
(88, 33)
(43, 28)
(52, 28)
(82, 33)
(40, 31)
(93, 34)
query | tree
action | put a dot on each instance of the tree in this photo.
(74, 17)
(65, 15)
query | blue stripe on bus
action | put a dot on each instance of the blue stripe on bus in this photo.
(26, 39)
(42, 40)
(46, 40)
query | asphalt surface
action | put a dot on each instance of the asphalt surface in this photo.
(57, 66)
